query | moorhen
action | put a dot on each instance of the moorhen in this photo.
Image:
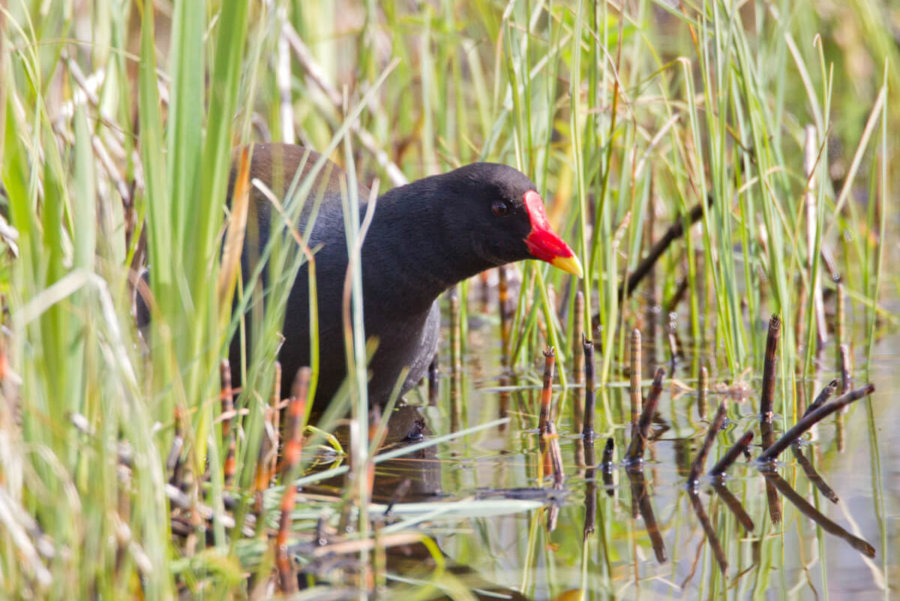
(424, 238)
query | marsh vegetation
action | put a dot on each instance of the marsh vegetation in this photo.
(712, 164)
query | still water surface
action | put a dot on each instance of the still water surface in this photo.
(793, 558)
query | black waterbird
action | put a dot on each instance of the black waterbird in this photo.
(424, 237)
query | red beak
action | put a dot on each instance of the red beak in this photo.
(542, 243)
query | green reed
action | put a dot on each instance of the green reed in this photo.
(610, 114)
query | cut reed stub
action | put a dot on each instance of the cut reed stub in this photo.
(767, 400)
(641, 430)
(699, 461)
(739, 448)
(811, 419)
(820, 400)
(587, 432)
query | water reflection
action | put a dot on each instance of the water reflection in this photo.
(642, 506)
(438, 475)
(815, 515)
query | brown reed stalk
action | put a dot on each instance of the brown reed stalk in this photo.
(675, 231)
(700, 460)
(739, 448)
(587, 431)
(820, 400)
(812, 418)
(641, 430)
(766, 402)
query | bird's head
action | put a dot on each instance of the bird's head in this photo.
(498, 210)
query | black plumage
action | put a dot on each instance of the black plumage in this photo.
(424, 237)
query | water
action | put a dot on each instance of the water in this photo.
(793, 558)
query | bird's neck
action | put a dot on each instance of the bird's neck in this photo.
(413, 246)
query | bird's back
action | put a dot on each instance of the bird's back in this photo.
(405, 341)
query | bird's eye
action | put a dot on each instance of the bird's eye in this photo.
(500, 208)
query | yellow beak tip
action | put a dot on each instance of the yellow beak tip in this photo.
(570, 264)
